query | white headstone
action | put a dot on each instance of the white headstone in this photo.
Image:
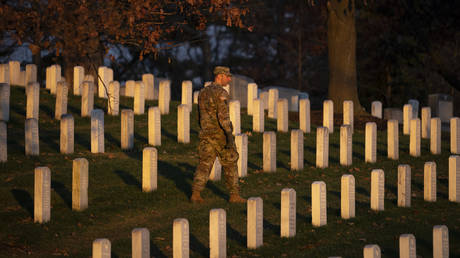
(407, 117)
(15, 72)
(282, 117)
(377, 190)
(407, 246)
(33, 98)
(255, 226)
(304, 115)
(348, 114)
(372, 251)
(149, 169)
(97, 131)
(154, 126)
(105, 75)
(62, 91)
(164, 96)
(217, 233)
(318, 203)
(181, 238)
(371, 142)
(78, 77)
(3, 142)
(414, 146)
(4, 102)
(322, 147)
(346, 144)
(328, 115)
(80, 184)
(67, 134)
(4, 73)
(404, 186)
(22, 78)
(140, 243)
(216, 171)
(31, 74)
(252, 94)
(186, 97)
(269, 151)
(415, 104)
(55, 77)
(429, 182)
(264, 97)
(31, 137)
(376, 108)
(195, 96)
(127, 129)
(139, 98)
(454, 178)
(347, 196)
(183, 124)
(235, 118)
(87, 98)
(42, 195)
(148, 80)
(435, 135)
(393, 139)
(258, 116)
(272, 100)
(455, 135)
(129, 88)
(294, 103)
(288, 212)
(426, 122)
(241, 141)
(297, 157)
(113, 100)
(101, 248)
(440, 241)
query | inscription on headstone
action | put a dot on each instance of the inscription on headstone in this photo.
(67, 134)
(407, 246)
(404, 186)
(140, 243)
(217, 233)
(455, 135)
(429, 179)
(31, 137)
(33, 98)
(322, 147)
(318, 203)
(393, 139)
(154, 126)
(297, 157)
(269, 153)
(149, 169)
(347, 196)
(255, 222)
(371, 142)
(181, 238)
(346, 145)
(440, 241)
(127, 129)
(97, 131)
(454, 178)
(42, 194)
(435, 137)
(79, 184)
(377, 190)
(288, 212)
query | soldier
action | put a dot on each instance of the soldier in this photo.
(216, 139)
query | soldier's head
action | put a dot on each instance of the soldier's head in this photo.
(222, 75)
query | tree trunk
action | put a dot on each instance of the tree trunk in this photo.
(342, 54)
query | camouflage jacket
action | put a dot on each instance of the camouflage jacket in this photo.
(213, 111)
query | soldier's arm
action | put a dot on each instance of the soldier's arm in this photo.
(223, 112)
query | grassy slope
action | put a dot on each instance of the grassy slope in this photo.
(117, 204)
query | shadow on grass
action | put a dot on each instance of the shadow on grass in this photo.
(140, 138)
(174, 174)
(83, 140)
(362, 191)
(128, 178)
(198, 247)
(62, 191)
(47, 110)
(269, 226)
(235, 235)
(74, 110)
(25, 200)
(45, 137)
(155, 251)
(169, 135)
(112, 140)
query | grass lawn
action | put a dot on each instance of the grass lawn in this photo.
(117, 204)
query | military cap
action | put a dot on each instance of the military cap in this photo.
(222, 70)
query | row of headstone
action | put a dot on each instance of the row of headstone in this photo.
(11, 74)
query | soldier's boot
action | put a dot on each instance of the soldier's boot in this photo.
(236, 198)
(196, 197)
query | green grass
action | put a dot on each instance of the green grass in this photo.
(117, 205)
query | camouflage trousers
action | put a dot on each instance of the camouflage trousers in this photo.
(208, 149)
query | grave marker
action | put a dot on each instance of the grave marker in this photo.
(407, 246)
(282, 115)
(376, 108)
(372, 251)
(371, 142)
(435, 137)
(55, 77)
(129, 88)
(454, 178)
(426, 122)
(4, 102)
(241, 141)
(415, 104)
(255, 227)
(269, 151)
(62, 92)
(183, 124)
(272, 100)
(217, 233)
(235, 118)
(216, 171)
(328, 115)
(414, 147)
(347, 197)
(346, 145)
(79, 184)
(154, 126)
(195, 96)
(348, 114)
(294, 103)
(187, 94)
(149, 169)
(455, 135)
(181, 238)
(127, 129)
(407, 117)
(97, 131)
(105, 75)
(318, 203)
(42, 194)
(440, 241)
(288, 212)
(393, 139)
(140, 243)
(33, 99)
(297, 157)
(31, 137)
(67, 134)
(113, 102)
(377, 190)
(101, 248)
(3, 142)
(322, 147)
(258, 116)
(429, 182)
(149, 86)
(87, 98)
(164, 96)
(304, 115)
(404, 186)
(264, 98)
(78, 77)
(139, 98)
(15, 72)
(31, 74)
(5, 73)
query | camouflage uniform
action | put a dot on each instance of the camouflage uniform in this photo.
(215, 125)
